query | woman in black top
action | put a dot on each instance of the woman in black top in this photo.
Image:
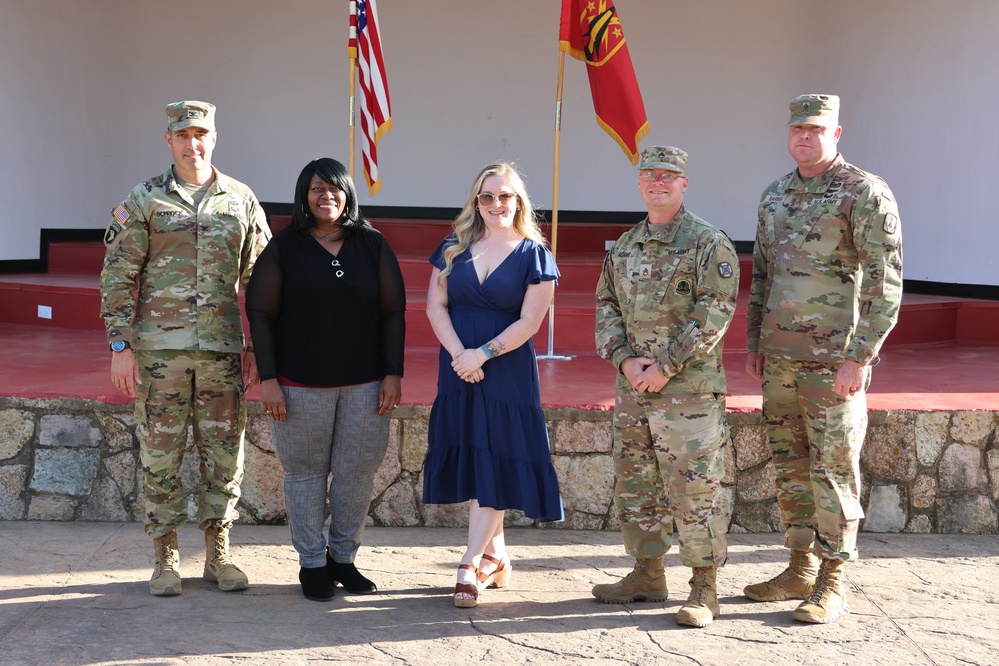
(326, 305)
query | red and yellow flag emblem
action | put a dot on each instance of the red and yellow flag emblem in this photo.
(591, 31)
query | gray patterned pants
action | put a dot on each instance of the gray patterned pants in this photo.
(331, 435)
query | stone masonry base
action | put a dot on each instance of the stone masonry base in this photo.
(923, 472)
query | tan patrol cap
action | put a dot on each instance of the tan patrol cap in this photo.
(663, 157)
(190, 113)
(815, 110)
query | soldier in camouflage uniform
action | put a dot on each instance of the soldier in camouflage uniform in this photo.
(827, 285)
(185, 241)
(665, 298)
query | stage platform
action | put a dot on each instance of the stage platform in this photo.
(38, 362)
(68, 448)
(943, 355)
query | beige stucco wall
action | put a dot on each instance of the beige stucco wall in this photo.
(84, 84)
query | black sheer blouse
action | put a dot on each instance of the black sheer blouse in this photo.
(325, 320)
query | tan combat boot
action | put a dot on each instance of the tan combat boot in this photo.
(166, 573)
(702, 604)
(219, 567)
(828, 600)
(795, 582)
(646, 582)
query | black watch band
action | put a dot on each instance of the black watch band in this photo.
(120, 345)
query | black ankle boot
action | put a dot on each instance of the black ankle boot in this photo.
(316, 584)
(347, 575)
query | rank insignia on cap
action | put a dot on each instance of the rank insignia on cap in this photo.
(805, 107)
(725, 269)
(121, 214)
(683, 287)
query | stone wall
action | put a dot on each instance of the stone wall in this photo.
(923, 472)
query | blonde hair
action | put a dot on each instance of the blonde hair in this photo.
(469, 225)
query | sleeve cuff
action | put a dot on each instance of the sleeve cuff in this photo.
(617, 358)
(861, 355)
(666, 367)
(119, 334)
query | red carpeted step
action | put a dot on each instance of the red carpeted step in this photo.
(82, 258)
(978, 322)
(51, 300)
(66, 300)
(68, 297)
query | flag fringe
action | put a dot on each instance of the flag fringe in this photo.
(383, 129)
(639, 135)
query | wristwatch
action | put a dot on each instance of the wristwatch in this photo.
(120, 345)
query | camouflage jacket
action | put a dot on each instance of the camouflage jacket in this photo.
(186, 263)
(669, 294)
(827, 267)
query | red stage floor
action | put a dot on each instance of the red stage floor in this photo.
(40, 362)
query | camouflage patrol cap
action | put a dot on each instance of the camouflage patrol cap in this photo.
(815, 110)
(663, 157)
(190, 113)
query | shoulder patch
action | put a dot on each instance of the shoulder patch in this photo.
(890, 224)
(113, 230)
(121, 217)
(725, 269)
(121, 214)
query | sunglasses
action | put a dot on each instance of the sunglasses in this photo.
(487, 199)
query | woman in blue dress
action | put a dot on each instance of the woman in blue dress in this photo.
(491, 285)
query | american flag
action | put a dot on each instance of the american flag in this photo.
(121, 213)
(376, 112)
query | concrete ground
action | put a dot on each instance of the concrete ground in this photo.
(76, 593)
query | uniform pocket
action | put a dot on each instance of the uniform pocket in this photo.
(678, 280)
(842, 438)
(822, 234)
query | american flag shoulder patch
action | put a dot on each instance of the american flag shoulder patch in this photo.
(121, 214)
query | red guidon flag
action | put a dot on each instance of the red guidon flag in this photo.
(376, 113)
(591, 31)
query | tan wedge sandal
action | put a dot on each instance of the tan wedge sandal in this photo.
(467, 588)
(498, 577)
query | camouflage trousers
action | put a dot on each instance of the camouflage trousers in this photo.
(190, 388)
(669, 459)
(815, 437)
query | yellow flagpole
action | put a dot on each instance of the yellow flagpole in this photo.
(350, 122)
(558, 144)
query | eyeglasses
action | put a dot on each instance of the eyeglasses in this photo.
(322, 191)
(487, 199)
(649, 176)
